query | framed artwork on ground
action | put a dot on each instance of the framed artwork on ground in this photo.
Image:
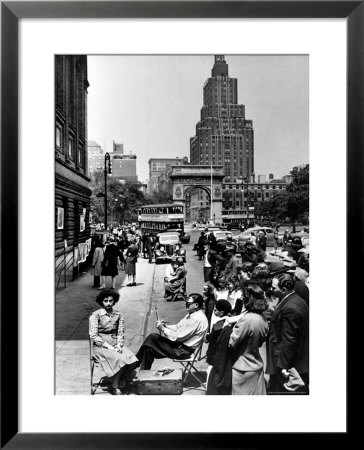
(142, 423)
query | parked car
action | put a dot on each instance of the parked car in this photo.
(298, 241)
(168, 245)
(184, 236)
(222, 235)
(244, 237)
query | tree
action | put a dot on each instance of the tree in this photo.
(123, 199)
(298, 196)
(159, 197)
(292, 203)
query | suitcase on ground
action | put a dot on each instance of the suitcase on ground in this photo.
(169, 384)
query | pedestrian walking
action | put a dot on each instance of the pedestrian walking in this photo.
(149, 246)
(200, 245)
(276, 238)
(110, 263)
(97, 259)
(106, 330)
(131, 260)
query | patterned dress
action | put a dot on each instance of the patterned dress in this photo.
(109, 328)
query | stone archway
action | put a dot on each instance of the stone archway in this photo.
(184, 178)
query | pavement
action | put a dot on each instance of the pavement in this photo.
(76, 302)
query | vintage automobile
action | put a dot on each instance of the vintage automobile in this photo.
(168, 245)
(244, 237)
(184, 236)
(298, 241)
(222, 235)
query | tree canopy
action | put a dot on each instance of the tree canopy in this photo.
(291, 204)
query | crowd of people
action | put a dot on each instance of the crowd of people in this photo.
(257, 301)
(120, 251)
(247, 307)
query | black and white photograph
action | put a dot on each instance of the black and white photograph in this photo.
(182, 224)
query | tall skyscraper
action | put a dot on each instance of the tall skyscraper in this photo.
(223, 133)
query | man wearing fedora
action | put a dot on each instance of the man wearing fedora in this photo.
(288, 342)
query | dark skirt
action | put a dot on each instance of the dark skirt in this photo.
(111, 270)
(130, 267)
(110, 360)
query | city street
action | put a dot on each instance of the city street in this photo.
(76, 302)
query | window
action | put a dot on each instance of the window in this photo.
(58, 137)
(80, 156)
(70, 146)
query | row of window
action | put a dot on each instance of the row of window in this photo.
(161, 210)
(251, 187)
(70, 148)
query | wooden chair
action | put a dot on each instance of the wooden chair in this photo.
(94, 362)
(190, 368)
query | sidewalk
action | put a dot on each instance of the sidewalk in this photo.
(74, 305)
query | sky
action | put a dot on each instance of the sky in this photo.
(152, 103)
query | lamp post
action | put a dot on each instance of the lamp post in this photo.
(106, 171)
(247, 201)
(211, 216)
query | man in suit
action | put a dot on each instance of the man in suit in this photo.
(149, 246)
(287, 342)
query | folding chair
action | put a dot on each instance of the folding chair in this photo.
(94, 362)
(190, 368)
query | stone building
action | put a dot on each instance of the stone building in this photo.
(72, 191)
(224, 136)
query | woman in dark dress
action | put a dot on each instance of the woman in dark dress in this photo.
(110, 263)
(131, 260)
(106, 330)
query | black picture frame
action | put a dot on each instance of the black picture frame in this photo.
(11, 12)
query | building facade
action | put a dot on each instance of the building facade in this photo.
(236, 206)
(72, 192)
(96, 157)
(123, 167)
(159, 170)
(223, 135)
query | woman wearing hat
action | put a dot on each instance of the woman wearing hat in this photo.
(177, 281)
(106, 330)
(131, 260)
(248, 335)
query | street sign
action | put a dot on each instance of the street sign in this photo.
(251, 208)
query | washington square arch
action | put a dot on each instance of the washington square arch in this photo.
(186, 178)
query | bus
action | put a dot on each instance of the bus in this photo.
(160, 218)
